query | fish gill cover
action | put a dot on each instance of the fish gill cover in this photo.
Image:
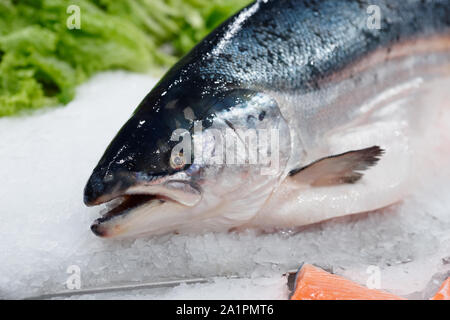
(42, 60)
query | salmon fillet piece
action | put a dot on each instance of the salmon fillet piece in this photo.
(313, 283)
(444, 291)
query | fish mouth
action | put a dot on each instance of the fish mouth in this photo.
(135, 203)
(124, 205)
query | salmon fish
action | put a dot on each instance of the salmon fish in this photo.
(289, 113)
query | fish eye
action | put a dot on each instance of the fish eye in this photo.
(177, 161)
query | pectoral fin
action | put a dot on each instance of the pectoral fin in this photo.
(338, 169)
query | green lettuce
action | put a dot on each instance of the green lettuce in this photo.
(42, 60)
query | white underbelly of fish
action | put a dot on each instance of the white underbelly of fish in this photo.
(408, 121)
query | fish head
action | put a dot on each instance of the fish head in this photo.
(189, 160)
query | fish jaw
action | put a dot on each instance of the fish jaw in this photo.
(134, 199)
(144, 218)
(138, 214)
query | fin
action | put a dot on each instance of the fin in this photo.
(338, 169)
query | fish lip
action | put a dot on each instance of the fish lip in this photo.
(128, 204)
(121, 201)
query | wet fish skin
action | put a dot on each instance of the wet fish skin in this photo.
(287, 46)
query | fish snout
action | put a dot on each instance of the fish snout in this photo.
(98, 229)
(102, 188)
(103, 230)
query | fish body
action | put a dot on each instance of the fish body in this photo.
(289, 113)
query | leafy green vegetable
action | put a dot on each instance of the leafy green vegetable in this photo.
(42, 60)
